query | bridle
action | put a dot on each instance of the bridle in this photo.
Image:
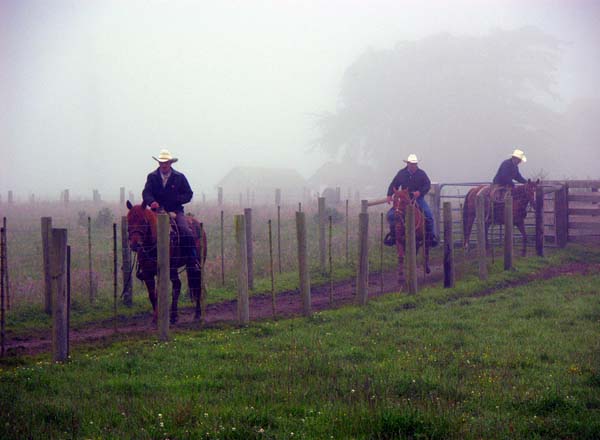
(144, 245)
(397, 202)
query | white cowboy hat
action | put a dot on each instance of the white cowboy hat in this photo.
(412, 158)
(165, 156)
(519, 155)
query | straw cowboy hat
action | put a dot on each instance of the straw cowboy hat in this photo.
(165, 156)
(412, 158)
(519, 155)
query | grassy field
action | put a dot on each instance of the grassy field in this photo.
(520, 361)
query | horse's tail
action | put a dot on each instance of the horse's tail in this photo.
(465, 213)
(200, 236)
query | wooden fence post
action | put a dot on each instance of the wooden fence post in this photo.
(115, 276)
(508, 232)
(347, 236)
(436, 202)
(249, 247)
(481, 244)
(448, 247)
(303, 263)
(220, 196)
(362, 276)
(6, 280)
(2, 290)
(364, 206)
(46, 231)
(381, 236)
(201, 299)
(222, 249)
(322, 245)
(126, 266)
(539, 221)
(411, 250)
(330, 260)
(243, 306)
(90, 259)
(278, 196)
(561, 216)
(58, 275)
(279, 238)
(68, 300)
(271, 273)
(162, 247)
(122, 197)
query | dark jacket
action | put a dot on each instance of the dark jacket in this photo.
(176, 192)
(508, 172)
(413, 182)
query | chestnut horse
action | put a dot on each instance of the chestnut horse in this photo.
(523, 196)
(142, 226)
(401, 200)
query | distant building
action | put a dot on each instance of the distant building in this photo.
(257, 185)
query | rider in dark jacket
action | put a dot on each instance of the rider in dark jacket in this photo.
(417, 182)
(169, 189)
(509, 170)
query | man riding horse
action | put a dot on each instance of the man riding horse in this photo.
(508, 171)
(169, 189)
(417, 182)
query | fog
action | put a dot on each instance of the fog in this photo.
(91, 90)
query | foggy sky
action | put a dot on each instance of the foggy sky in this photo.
(90, 90)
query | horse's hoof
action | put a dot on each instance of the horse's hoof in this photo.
(427, 270)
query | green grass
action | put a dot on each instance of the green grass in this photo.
(522, 361)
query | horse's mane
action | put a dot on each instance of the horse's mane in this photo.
(138, 214)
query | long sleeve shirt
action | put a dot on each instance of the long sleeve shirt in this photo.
(418, 181)
(508, 172)
(172, 195)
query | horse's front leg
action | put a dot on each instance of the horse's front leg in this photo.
(521, 226)
(195, 286)
(176, 285)
(151, 286)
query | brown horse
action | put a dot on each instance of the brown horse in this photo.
(523, 196)
(401, 200)
(142, 226)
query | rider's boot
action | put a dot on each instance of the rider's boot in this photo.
(431, 238)
(390, 238)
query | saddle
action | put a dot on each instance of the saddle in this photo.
(498, 193)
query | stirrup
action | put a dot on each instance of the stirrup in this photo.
(389, 240)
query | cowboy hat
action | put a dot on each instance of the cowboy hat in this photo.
(519, 155)
(412, 158)
(165, 156)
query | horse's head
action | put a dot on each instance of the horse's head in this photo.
(529, 189)
(401, 199)
(141, 225)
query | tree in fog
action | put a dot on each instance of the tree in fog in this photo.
(460, 103)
